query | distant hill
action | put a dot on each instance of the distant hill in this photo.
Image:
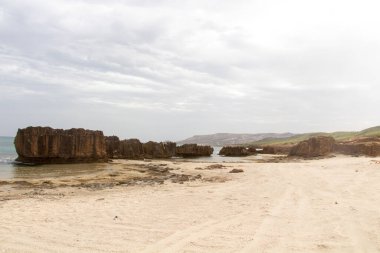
(340, 136)
(223, 139)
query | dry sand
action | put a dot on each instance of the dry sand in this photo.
(329, 205)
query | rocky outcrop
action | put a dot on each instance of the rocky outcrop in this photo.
(194, 150)
(125, 149)
(275, 149)
(134, 149)
(314, 147)
(358, 147)
(237, 151)
(112, 146)
(131, 149)
(41, 145)
(159, 149)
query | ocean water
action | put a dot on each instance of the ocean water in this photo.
(7, 150)
(7, 156)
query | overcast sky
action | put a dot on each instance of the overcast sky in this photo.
(166, 70)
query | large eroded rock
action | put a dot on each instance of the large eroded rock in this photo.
(124, 149)
(314, 147)
(358, 147)
(159, 149)
(189, 150)
(47, 145)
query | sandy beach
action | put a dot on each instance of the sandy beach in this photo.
(327, 205)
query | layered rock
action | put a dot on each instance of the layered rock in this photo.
(131, 149)
(159, 149)
(112, 146)
(314, 147)
(237, 151)
(358, 147)
(194, 150)
(47, 145)
(124, 149)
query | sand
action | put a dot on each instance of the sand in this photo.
(329, 205)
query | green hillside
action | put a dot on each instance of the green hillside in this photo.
(340, 136)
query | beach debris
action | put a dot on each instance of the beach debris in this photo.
(236, 171)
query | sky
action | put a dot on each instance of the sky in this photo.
(168, 69)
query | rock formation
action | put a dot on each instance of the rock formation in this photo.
(131, 149)
(314, 147)
(159, 149)
(237, 151)
(193, 150)
(362, 146)
(134, 149)
(112, 146)
(275, 149)
(125, 149)
(47, 145)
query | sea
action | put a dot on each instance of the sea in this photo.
(11, 170)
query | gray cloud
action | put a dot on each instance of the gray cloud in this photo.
(170, 69)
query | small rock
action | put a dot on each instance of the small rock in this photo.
(236, 171)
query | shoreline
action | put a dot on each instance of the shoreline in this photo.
(326, 205)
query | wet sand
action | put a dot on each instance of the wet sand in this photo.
(328, 205)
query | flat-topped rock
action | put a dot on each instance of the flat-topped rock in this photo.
(47, 145)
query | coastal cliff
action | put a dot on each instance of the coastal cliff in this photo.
(47, 145)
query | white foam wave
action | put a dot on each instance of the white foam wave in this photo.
(7, 160)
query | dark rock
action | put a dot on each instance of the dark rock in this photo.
(236, 171)
(314, 147)
(237, 151)
(194, 150)
(47, 145)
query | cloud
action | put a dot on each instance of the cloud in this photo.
(189, 67)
